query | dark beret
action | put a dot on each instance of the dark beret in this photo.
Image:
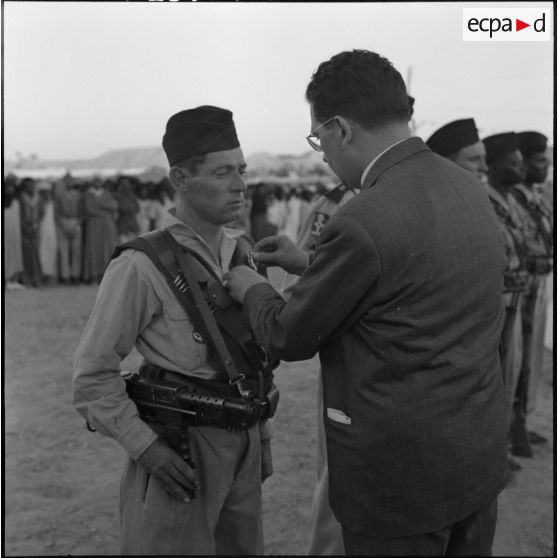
(531, 142)
(198, 131)
(499, 145)
(453, 136)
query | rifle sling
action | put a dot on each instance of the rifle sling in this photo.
(156, 248)
(184, 261)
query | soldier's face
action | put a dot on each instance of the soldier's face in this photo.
(511, 169)
(472, 158)
(537, 167)
(216, 192)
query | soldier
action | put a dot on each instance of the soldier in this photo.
(537, 218)
(194, 490)
(504, 170)
(459, 142)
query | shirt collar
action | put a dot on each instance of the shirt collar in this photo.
(371, 164)
(527, 191)
(188, 236)
(496, 196)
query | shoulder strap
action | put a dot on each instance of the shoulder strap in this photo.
(184, 260)
(155, 246)
(184, 280)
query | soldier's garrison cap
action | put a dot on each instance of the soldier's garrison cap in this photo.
(499, 145)
(198, 131)
(531, 142)
(452, 137)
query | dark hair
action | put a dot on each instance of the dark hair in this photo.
(191, 164)
(360, 85)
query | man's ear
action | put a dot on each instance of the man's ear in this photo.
(346, 132)
(179, 177)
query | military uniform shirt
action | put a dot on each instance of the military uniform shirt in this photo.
(322, 209)
(531, 201)
(511, 227)
(136, 307)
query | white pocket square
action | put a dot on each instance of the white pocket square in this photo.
(338, 416)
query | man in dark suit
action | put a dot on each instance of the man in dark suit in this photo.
(402, 299)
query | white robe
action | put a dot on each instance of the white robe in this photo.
(47, 241)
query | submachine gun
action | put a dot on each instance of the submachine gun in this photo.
(178, 402)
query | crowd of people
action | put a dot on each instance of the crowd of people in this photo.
(64, 231)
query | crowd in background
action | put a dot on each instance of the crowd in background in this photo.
(64, 231)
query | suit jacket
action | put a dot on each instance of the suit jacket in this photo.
(403, 300)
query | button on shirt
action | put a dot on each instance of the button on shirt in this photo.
(136, 307)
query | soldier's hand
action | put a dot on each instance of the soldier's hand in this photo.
(281, 251)
(177, 477)
(239, 279)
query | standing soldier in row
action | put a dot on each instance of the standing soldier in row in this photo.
(537, 217)
(505, 169)
(459, 142)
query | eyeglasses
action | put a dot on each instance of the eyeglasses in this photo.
(313, 139)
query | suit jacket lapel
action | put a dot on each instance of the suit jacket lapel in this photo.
(392, 157)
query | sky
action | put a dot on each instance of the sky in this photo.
(82, 78)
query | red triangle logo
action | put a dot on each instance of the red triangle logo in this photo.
(519, 25)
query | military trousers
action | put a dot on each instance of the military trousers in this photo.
(511, 366)
(225, 518)
(537, 334)
(326, 535)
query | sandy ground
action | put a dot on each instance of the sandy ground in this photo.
(61, 481)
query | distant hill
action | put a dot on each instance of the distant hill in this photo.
(141, 159)
(117, 159)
